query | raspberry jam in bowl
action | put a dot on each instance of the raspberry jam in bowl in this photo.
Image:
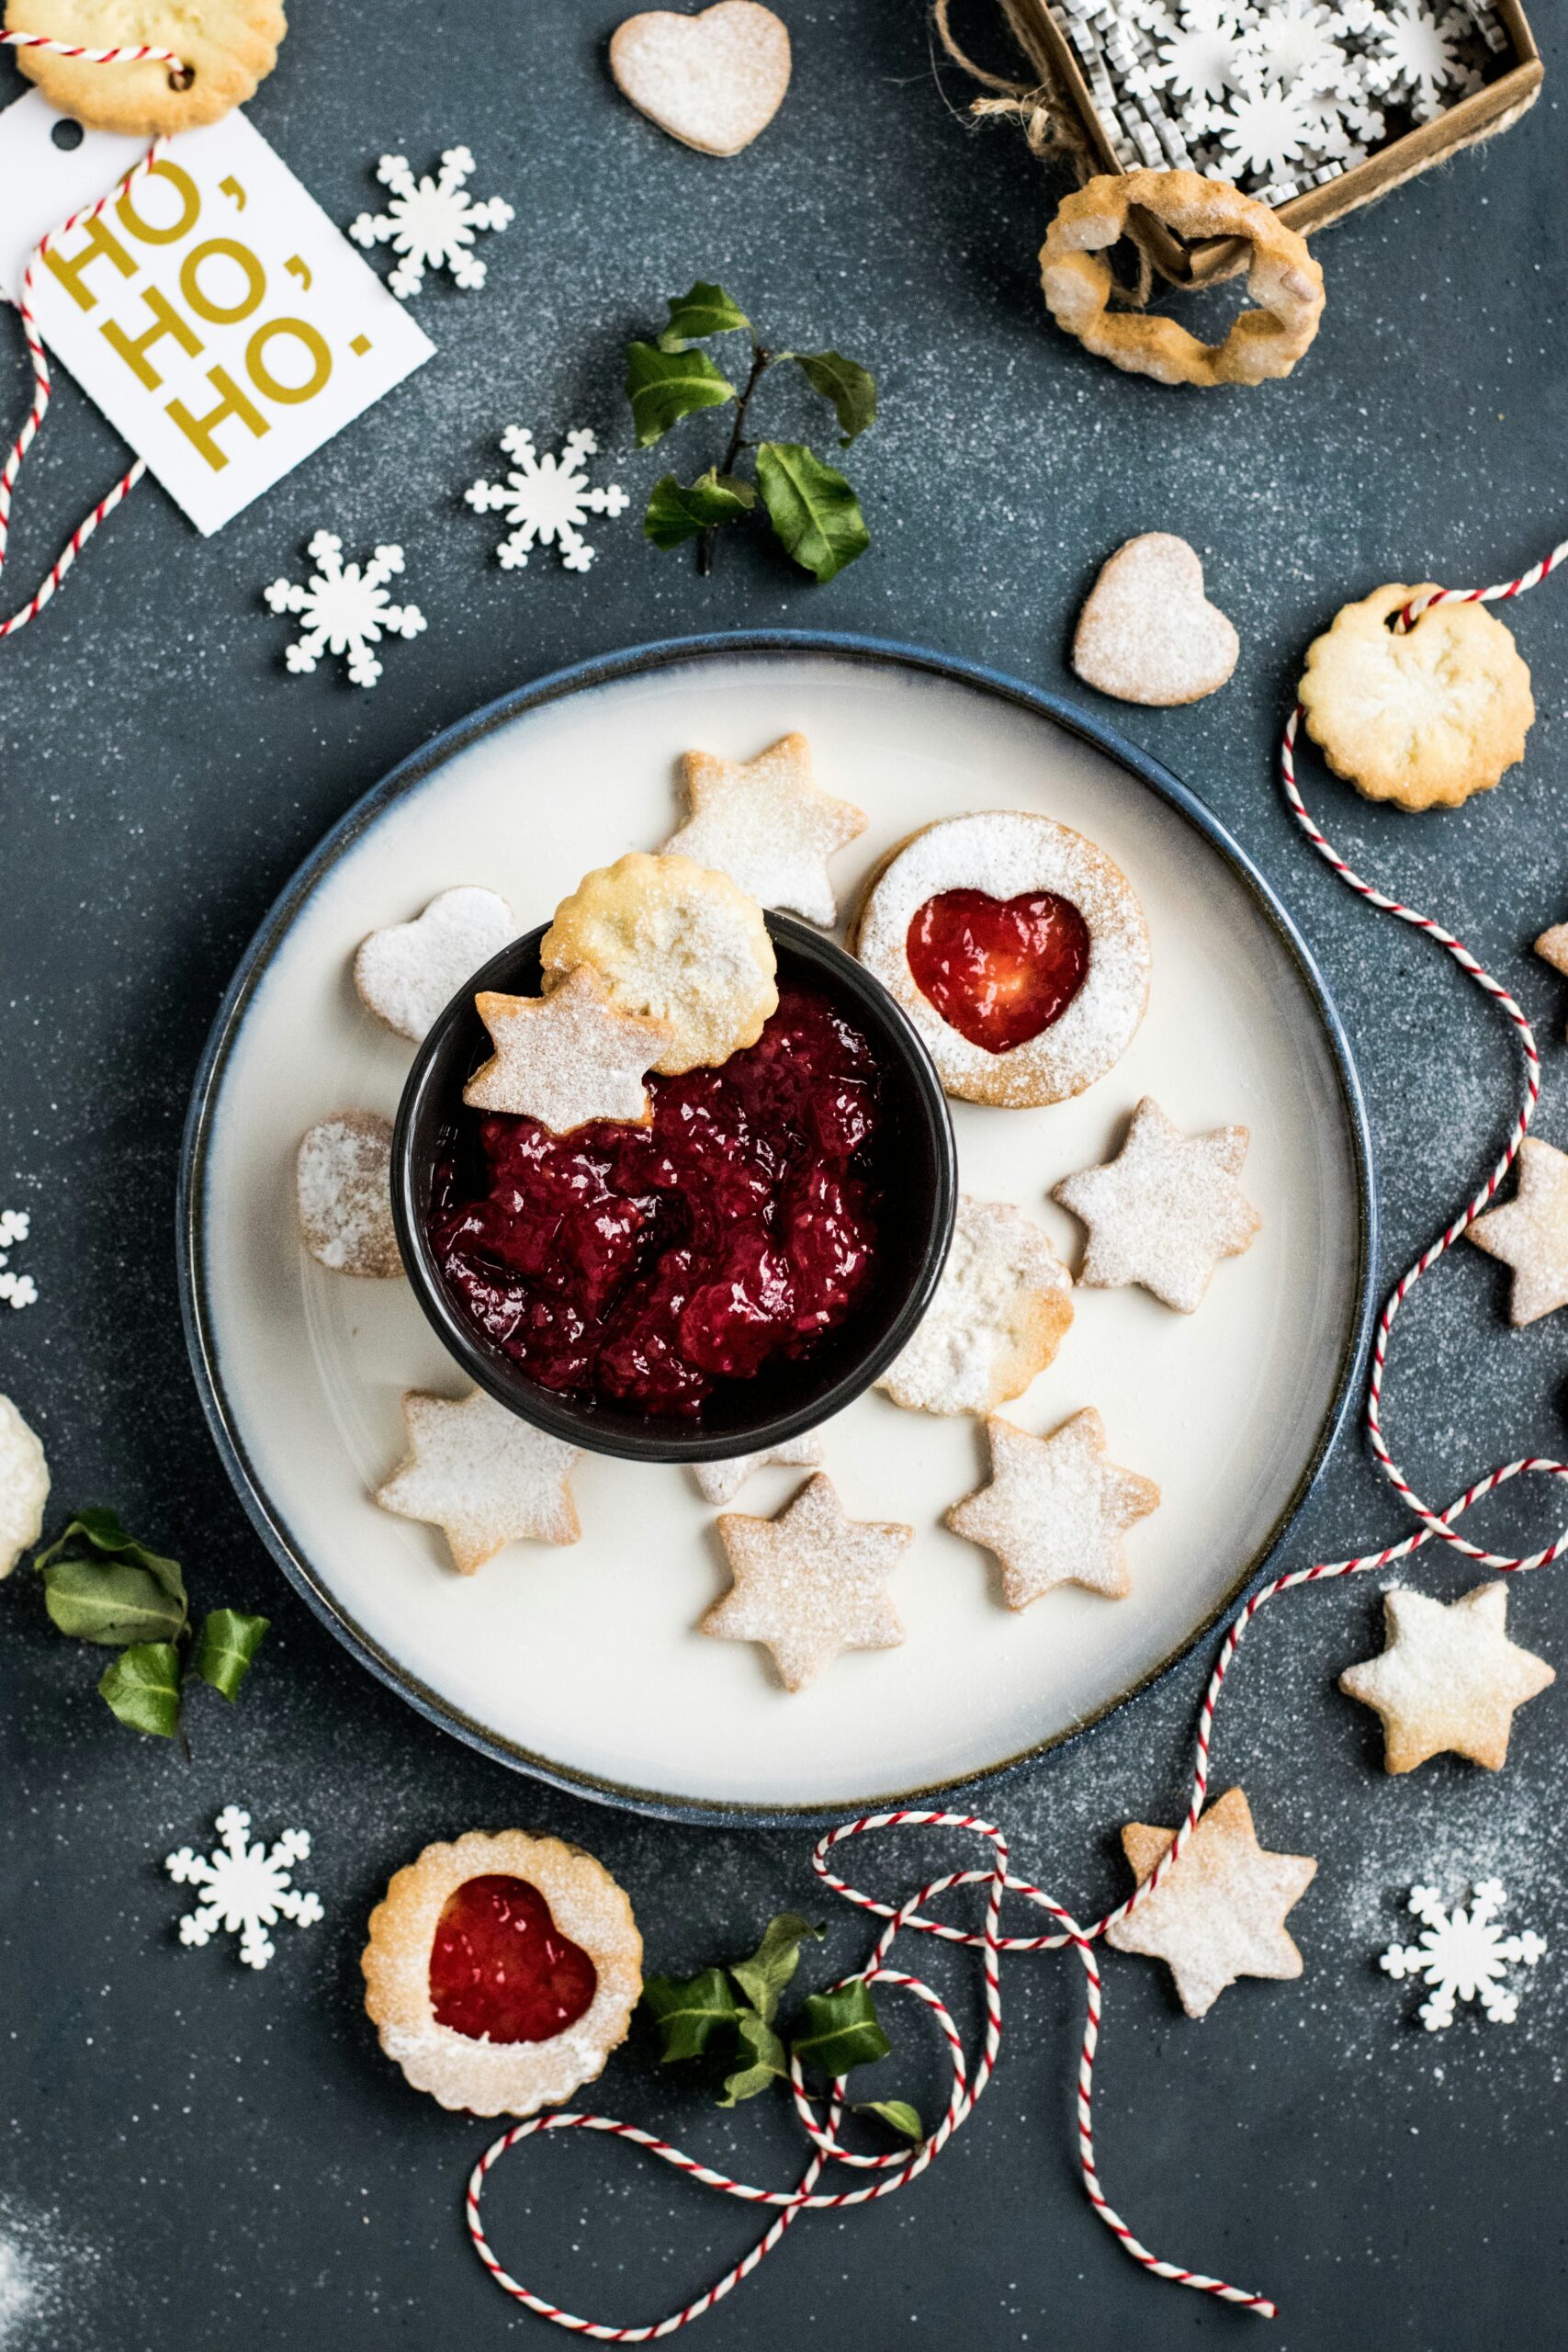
(714, 1283)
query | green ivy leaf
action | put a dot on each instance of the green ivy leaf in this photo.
(707, 310)
(688, 2012)
(764, 2053)
(811, 507)
(850, 386)
(664, 386)
(224, 1649)
(674, 514)
(898, 2112)
(96, 1533)
(842, 2029)
(763, 1977)
(142, 1687)
(102, 1600)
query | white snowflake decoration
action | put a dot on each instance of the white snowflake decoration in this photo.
(545, 500)
(246, 1887)
(1416, 53)
(1463, 1955)
(16, 1290)
(345, 609)
(1264, 130)
(431, 221)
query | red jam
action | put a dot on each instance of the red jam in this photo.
(998, 970)
(501, 1970)
(646, 1265)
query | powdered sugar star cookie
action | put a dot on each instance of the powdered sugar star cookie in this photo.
(720, 1482)
(1220, 1911)
(1529, 1233)
(409, 972)
(809, 1583)
(1449, 1679)
(1001, 1309)
(566, 1059)
(24, 1486)
(481, 1475)
(1055, 1510)
(1552, 947)
(343, 1176)
(1165, 1211)
(1148, 632)
(714, 81)
(768, 824)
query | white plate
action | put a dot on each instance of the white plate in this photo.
(582, 1663)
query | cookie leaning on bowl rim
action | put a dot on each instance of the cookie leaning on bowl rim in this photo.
(227, 46)
(1004, 854)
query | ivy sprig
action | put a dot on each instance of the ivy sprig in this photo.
(102, 1585)
(811, 506)
(726, 2016)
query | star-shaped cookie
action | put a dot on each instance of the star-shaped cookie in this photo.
(1552, 947)
(768, 824)
(1219, 1913)
(809, 1583)
(567, 1057)
(1449, 1679)
(720, 1482)
(1165, 1211)
(1529, 1233)
(1055, 1510)
(481, 1475)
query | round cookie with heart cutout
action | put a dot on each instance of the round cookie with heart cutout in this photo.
(1017, 948)
(502, 1971)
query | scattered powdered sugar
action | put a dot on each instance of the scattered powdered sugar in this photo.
(720, 1482)
(713, 80)
(1055, 1510)
(481, 1475)
(343, 1178)
(1165, 1211)
(1006, 852)
(408, 973)
(768, 824)
(24, 1486)
(1001, 1309)
(41, 2268)
(1148, 633)
(810, 1583)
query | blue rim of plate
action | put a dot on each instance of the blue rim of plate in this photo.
(610, 669)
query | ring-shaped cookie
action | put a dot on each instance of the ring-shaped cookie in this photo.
(1007, 853)
(226, 48)
(1283, 280)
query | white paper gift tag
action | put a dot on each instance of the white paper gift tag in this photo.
(223, 324)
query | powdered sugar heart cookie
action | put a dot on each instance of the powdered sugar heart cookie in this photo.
(409, 972)
(227, 46)
(713, 81)
(1148, 633)
(343, 1177)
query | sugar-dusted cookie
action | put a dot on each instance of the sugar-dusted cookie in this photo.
(1552, 947)
(24, 1486)
(768, 824)
(1148, 632)
(1055, 1510)
(713, 81)
(343, 1184)
(483, 1476)
(1220, 1911)
(1529, 1233)
(409, 972)
(674, 942)
(1017, 948)
(809, 1583)
(226, 47)
(1001, 1309)
(501, 1971)
(1165, 1211)
(720, 1482)
(1449, 1679)
(1422, 717)
(567, 1057)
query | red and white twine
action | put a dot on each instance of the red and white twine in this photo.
(42, 385)
(897, 2170)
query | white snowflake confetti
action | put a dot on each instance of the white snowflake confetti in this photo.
(345, 609)
(16, 1290)
(1463, 1955)
(246, 1887)
(546, 499)
(1264, 130)
(431, 221)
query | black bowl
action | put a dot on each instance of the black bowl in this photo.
(784, 1399)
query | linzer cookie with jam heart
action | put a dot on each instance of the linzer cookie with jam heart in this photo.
(1017, 948)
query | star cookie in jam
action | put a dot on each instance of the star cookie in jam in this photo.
(502, 1971)
(1016, 947)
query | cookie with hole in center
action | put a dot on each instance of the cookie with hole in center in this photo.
(226, 48)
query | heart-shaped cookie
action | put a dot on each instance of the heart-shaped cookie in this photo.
(714, 81)
(410, 971)
(1148, 633)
